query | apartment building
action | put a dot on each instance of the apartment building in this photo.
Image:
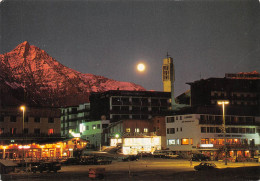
(204, 133)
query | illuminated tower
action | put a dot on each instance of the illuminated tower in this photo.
(168, 77)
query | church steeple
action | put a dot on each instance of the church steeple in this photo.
(168, 76)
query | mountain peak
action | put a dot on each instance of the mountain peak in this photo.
(47, 82)
(23, 48)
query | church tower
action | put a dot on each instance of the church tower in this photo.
(168, 77)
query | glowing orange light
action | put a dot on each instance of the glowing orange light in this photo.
(22, 108)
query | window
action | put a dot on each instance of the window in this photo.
(50, 131)
(211, 129)
(87, 127)
(98, 126)
(94, 126)
(104, 125)
(203, 129)
(2, 131)
(51, 120)
(171, 142)
(25, 131)
(26, 119)
(13, 130)
(13, 118)
(178, 141)
(180, 117)
(137, 130)
(181, 129)
(1, 118)
(185, 141)
(170, 119)
(37, 131)
(170, 130)
(37, 120)
(191, 141)
(145, 130)
(204, 141)
(128, 130)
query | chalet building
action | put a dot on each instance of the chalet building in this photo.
(37, 124)
(204, 133)
(117, 105)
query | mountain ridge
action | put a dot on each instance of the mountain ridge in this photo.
(45, 81)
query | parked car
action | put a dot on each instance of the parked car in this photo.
(145, 154)
(205, 166)
(131, 158)
(172, 155)
(200, 157)
(159, 154)
(46, 166)
(71, 161)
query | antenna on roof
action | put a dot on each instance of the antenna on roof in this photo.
(167, 55)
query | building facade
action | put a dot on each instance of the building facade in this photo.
(72, 117)
(93, 132)
(136, 136)
(204, 133)
(243, 93)
(117, 105)
(36, 124)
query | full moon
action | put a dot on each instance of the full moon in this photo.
(140, 67)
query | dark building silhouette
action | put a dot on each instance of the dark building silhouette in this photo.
(243, 93)
(117, 105)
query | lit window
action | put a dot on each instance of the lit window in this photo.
(94, 126)
(171, 142)
(13, 130)
(1, 130)
(145, 130)
(137, 130)
(184, 141)
(128, 130)
(191, 141)
(50, 131)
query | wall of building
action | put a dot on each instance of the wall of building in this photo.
(94, 132)
(192, 133)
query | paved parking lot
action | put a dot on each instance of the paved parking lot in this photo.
(148, 169)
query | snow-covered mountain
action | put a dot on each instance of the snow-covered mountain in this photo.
(30, 74)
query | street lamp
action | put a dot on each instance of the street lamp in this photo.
(23, 109)
(223, 103)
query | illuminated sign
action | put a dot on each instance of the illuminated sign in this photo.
(207, 145)
(24, 147)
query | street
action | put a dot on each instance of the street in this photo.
(148, 169)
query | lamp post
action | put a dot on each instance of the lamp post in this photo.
(223, 103)
(23, 109)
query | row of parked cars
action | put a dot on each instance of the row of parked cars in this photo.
(165, 154)
(87, 160)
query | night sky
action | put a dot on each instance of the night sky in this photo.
(108, 38)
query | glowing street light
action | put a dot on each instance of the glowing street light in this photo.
(23, 109)
(223, 103)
